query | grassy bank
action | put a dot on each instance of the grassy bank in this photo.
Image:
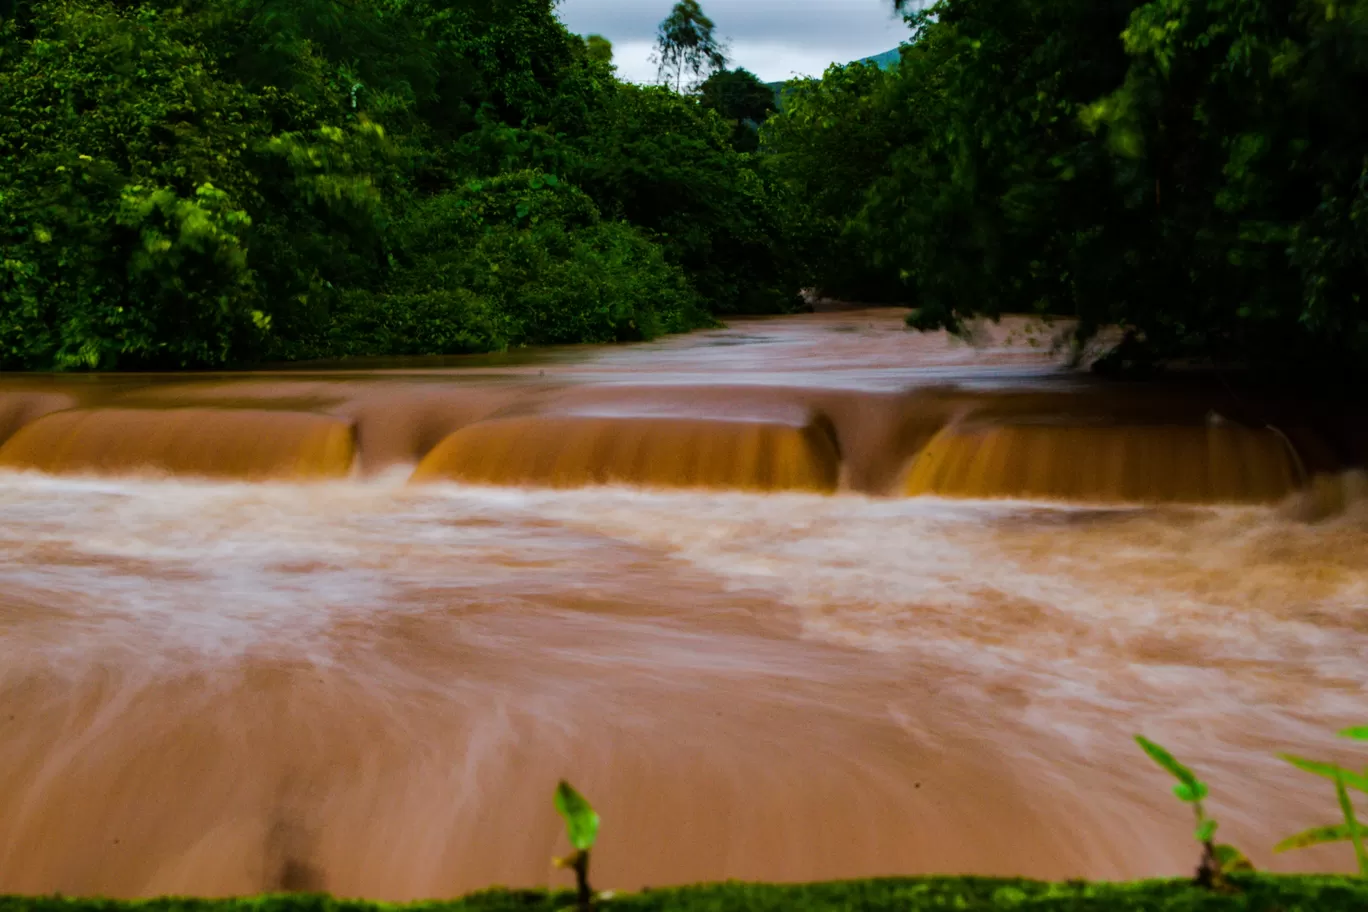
(1263, 893)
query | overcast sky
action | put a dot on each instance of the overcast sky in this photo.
(775, 39)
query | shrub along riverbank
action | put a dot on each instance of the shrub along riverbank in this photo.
(1251, 893)
(1190, 170)
(194, 183)
(218, 182)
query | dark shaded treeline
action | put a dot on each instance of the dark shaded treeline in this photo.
(1191, 170)
(226, 181)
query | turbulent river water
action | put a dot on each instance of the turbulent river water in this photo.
(221, 682)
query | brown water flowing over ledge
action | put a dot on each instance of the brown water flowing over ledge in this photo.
(245, 444)
(831, 400)
(1129, 464)
(575, 451)
(370, 687)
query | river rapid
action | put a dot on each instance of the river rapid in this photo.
(355, 684)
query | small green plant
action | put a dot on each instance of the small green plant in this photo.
(1217, 860)
(581, 825)
(1351, 830)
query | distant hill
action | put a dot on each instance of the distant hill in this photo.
(887, 60)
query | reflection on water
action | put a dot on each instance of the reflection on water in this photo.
(370, 688)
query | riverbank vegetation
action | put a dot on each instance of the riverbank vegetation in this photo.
(227, 181)
(222, 182)
(1193, 171)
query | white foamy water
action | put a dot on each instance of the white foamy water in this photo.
(372, 689)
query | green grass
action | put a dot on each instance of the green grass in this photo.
(1249, 893)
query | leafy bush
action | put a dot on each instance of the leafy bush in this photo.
(537, 250)
(123, 197)
(364, 323)
(517, 259)
(605, 283)
(218, 181)
(665, 163)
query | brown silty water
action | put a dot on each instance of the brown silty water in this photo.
(809, 597)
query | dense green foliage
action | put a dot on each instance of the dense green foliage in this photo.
(667, 164)
(836, 136)
(221, 181)
(743, 101)
(600, 49)
(1250, 893)
(1191, 170)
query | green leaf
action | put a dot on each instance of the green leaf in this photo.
(552, 180)
(1190, 792)
(1347, 807)
(1329, 771)
(581, 823)
(1358, 733)
(1206, 830)
(1232, 859)
(1167, 761)
(1317, 836)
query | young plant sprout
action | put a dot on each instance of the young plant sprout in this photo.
(1350, 830)
(581, 825)
(1217, 860)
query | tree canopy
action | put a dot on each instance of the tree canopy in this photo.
(1192, 171)
(686, 46)
(208, 182)
(742, 100)
(600, 49)
(223, 181)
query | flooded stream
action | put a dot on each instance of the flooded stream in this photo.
(716, 581)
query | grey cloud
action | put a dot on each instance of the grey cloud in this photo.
(844, 28)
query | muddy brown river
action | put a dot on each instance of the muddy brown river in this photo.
(805, 598)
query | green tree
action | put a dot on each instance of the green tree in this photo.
(1237, 134)
(1191, 172)
(599, 48)
(835, 137)
(662, 162)
(220, 181)
(686, 46)
(125, 195)
(738, 95)
(997, 198)
(742, 100)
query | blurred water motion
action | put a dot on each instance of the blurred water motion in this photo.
(327, 678)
